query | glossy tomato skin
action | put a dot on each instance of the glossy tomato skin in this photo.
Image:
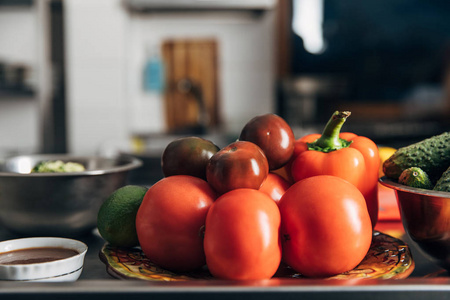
(187, 156)
(326, 228)
(242, 236)
(170, 220)
(273, 135)
(241, 164)
(274, 186)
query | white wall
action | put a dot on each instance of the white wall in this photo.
(95, 74)
(106, 53)
(19, 121)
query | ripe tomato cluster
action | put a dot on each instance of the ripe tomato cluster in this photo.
(237, 211)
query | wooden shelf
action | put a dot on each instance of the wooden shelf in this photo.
(16, 3)
(7, 94)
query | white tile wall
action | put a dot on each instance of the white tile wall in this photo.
(19, 130)
(96, 82)
(18, 41)
(19, 123)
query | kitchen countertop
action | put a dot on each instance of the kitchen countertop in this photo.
(427, 281)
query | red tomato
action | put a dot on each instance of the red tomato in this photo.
(170, 220)
(326, 228)
(274, 186)
(239, 165)
(241, 236)
(273, 135)
(284, 172)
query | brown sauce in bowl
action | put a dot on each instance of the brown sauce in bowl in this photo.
(35, 255)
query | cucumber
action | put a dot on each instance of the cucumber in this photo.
(432, 155)
(443, 184)
(415, 177)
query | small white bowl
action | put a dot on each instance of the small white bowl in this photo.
(67, 269)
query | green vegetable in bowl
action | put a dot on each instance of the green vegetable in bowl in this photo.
(431, 155)
(443, 184)
(415, 177)
(57, 166)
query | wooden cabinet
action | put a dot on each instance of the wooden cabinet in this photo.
(191, 97)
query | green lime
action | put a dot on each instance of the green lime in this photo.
(117, 216)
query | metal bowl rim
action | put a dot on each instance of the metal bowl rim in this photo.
(132, 163)
(404, 188)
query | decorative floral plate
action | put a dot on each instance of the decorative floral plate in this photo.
(388, 257)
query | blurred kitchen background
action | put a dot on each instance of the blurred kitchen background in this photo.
(127, 76)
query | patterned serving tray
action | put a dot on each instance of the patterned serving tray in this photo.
(387, 258)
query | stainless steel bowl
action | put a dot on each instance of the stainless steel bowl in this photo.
(58, 204)
(426, 218)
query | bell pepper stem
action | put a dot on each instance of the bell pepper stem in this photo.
(330, 141)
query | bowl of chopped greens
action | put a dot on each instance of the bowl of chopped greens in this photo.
(58, 194)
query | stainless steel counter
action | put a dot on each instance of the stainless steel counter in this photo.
(427, 281)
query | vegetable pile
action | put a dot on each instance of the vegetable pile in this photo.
(264, 199)
(425, 164)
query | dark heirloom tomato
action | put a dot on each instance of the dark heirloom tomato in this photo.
(170, 219)
(325, 226)
(242, 236)
(239, 165)
(187, 156)
(273, 135)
